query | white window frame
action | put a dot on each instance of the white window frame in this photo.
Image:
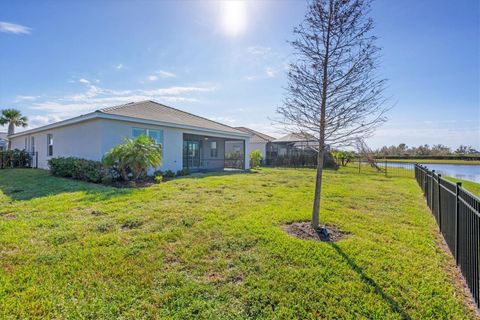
(49, 144)
(213, 151)
(147, 133)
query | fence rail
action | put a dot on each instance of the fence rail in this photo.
(457, 212)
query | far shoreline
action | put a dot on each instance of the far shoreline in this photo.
(432, 161)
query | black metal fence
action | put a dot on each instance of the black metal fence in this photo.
(457, 212)
(384, 167)
(18, 159)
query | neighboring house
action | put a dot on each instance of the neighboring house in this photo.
(258, 140)
(3, 141)
(187, 140)
(292, 144)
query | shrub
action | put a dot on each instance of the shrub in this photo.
(158, 179)
(133, 158)
(183, 172)
(62, 167)
(80, 169)
(158, 173)
(15, 159)
(88, 170)
(255, 158)
(169, 174)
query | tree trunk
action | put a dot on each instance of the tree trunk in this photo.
(321, 140)
(11, 130)
(318, 190)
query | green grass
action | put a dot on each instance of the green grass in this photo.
(471, 186)
(444, 161)
(212, 247)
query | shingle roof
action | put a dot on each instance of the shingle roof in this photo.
(295, 137)
(151, 110)
(256, 137)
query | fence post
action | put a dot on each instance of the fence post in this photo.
(359, 165)
(439, 203)
(432, 182)
(386, 167)
(457, 233)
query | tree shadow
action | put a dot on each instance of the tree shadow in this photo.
(27, 184)
(394, 306)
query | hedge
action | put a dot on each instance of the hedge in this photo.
(76, 168)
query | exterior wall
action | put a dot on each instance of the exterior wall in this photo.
(80, 140)
(91, 139)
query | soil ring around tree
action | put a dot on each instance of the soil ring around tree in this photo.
(304, 231)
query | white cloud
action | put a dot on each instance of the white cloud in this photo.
(259, 50)
(94, 97)
(119, 66)
(270, 72)
(26, 98)
(83, 80)
(152, 77)
(8, 27)
(166, 74)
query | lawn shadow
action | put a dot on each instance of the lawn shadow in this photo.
(27, 184)
(207, 174)
(394, 306)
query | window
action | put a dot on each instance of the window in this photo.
(138, 132)
(49, 145)
(156, 135)
(32, 144)
(213, 149)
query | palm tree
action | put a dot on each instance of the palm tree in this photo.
(14, 119)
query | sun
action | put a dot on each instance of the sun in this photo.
(233, 15)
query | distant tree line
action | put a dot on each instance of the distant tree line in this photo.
(425, 150)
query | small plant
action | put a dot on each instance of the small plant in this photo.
(255, 158)
(183, 172)
(158, 179)
(169, 174)
(158, 173)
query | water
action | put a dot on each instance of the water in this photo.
(459, 171)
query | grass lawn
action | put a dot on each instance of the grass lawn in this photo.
(471, 186)
(445, 161)
(212, 247)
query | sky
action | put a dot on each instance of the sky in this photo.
(228, 61)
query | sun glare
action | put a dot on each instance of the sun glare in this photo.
(234, 17)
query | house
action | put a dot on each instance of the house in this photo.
(258, 140)
(3, 141)
(293, 144)
(187, 140)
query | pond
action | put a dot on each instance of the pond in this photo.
(459, 171)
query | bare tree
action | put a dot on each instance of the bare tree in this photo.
(333, 92)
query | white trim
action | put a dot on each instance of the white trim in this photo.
(101, 115)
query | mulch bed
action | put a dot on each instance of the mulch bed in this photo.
(303, 230)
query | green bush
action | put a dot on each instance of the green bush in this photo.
(255, 158)
(80, 169)
(169, 174)
(88, 170)
(15, 159)
(183, 172)
(62, 167)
